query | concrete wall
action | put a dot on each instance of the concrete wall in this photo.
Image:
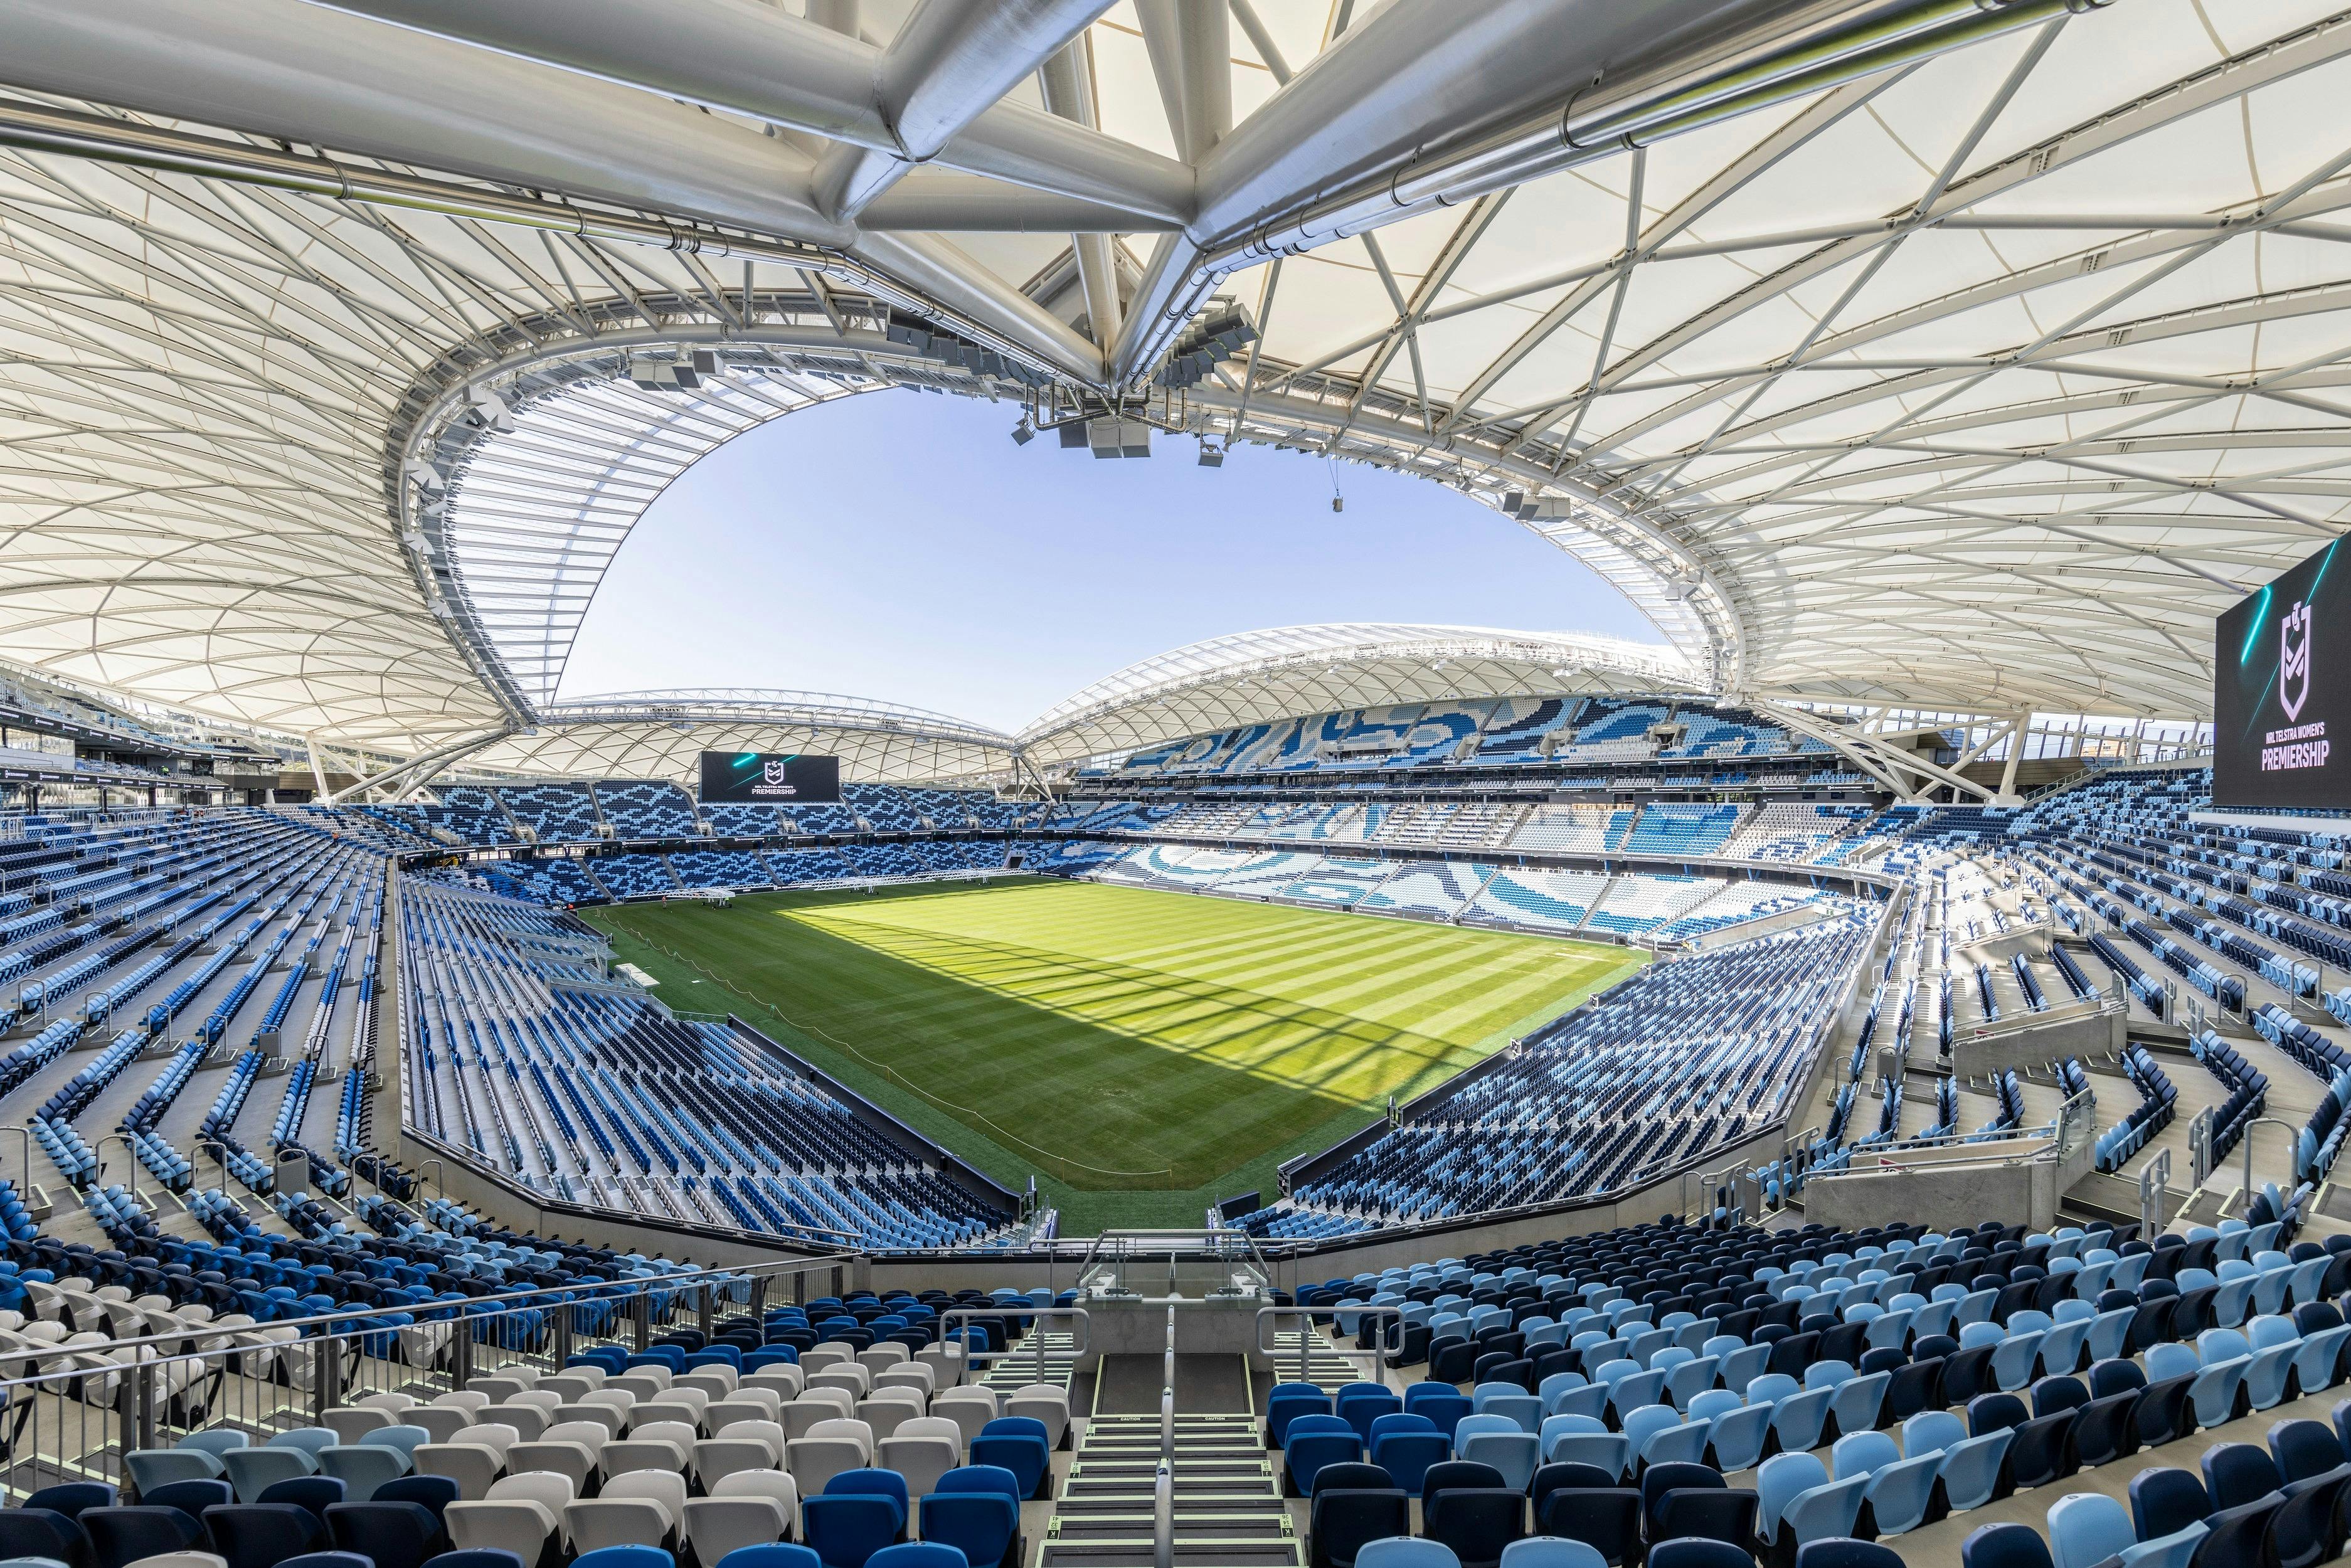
(2036, 1040)
(1943, 1197)
(1748, 930)
(2031, 940)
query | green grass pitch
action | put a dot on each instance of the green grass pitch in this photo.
(1140, 1052)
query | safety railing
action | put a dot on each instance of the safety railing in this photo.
(1081, 1341)
(88, 1380)
(1114, 1257)
(1163, 1480)
(1307, 1316)
(1991, 1029)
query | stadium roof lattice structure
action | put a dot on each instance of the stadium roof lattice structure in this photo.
(1965, 354)
(661, 734)
(1255, 676)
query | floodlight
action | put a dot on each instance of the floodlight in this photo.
(1023, 433)
(489, 410)
(1211, 456)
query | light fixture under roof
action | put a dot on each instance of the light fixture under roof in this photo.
(683, 375)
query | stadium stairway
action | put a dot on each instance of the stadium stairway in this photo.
(1227, 1507)
(1328, 1366)
(1019, 1367)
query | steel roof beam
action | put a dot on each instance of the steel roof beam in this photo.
(306, 75)
(932, 94)
(949, 63)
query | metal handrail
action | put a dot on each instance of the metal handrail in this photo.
(1206, 1243)
(369, 1320)
(1168, 1395)
(1306, 1316)
(1022, 1309)
(128, 1150)
(2039, 1154)
(2246, 1139)
(26, 1133)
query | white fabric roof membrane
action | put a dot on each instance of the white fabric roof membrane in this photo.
(1287, 671)
(661, 735)
(1980, 380)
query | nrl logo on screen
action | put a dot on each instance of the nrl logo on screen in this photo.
(778, 772)
(2293, 661)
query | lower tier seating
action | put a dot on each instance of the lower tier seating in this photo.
(526, 1053)
(1782, 1393)
(1682, 1059)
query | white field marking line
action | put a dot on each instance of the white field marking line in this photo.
(885, 1067)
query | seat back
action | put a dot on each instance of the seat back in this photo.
(981, 1525)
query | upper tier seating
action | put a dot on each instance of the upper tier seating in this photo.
(472, 816)
(555, 813)
(1519, 728)
(881, 809)
(1479, 732)
(1727, 732)
(1790, 832)
(645, 808)
(743, 821)
(1573, 829)
(1445, 733)
(1665, 829)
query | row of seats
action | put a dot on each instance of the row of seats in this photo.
(1582, 1459)
(568, 812)
(2282, 1502)
(531, 1520)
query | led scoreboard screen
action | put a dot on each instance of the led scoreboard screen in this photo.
(2282, 692)
(769, 778)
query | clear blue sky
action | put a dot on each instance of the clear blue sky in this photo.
(899, 545)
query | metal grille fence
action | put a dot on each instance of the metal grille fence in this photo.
(90, 1377)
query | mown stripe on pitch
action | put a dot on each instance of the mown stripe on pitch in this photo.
(1039, 980)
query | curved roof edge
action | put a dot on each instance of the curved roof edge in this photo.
(1282, 672)
(751, 705)
(659, 733)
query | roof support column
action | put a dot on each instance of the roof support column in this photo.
(2006, 795)
(1067, 79)
(430, 763)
